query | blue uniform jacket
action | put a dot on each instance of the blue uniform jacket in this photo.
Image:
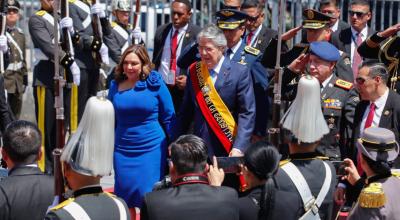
(235, 87)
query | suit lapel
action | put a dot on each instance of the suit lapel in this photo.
(386, 117)
(223, 74)
(237, 56)
(326, 92)
(187, 37)
(348, 38)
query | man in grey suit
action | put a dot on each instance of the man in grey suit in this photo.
(332, 9)
(26, 193)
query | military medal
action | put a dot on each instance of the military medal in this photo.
(205, 89)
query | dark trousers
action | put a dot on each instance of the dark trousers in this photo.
(15, 102)
(177, 96)
(87, 88)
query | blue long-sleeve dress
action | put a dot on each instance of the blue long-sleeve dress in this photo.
(144, 115)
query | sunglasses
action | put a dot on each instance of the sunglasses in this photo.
(361, 81)
(357, 13)
(253, 19)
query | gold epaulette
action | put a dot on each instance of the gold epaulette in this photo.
(344, 84)
(61, 205)
(71, 1)
(252, 50)
(40, 12)
(372, 196)
(371, 43)
(283, 162)
(113, 24)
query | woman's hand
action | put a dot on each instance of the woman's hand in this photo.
(352, 175)
(215, 175)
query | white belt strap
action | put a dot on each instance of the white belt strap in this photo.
(121, 32)
(39, 55)
(126, 45)
(11, 39)
(121, 209)
(86, 9)
(48, 18)
(76, 211)
(311, 205)
(14, 66)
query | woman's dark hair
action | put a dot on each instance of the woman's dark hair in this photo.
(262, 159)
(378, 167)
(141, 52)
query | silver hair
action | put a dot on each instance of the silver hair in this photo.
(213, 33)
(376, 68)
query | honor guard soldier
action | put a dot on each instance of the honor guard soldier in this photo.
(121, 35)
(86, 158)
(385, 46)
(41, 29)
(317, 28)
(335, 92)
(232, 23)
(15, 75)
(90, 51)
(304, 182)
(379, 198)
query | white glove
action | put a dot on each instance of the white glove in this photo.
(67, 23)
(104, 54)
(76, 73)
(98, 9)
(137, 35)
(3, 43)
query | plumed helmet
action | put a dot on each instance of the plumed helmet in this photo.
(121, 5)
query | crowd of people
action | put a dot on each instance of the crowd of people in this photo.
(165, 123)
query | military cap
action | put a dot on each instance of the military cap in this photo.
(13, 4)
(314, 19)
(230, 19)
(378, 144)
(325, 50)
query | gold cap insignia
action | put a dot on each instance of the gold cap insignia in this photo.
(310, 14)
(227, 13)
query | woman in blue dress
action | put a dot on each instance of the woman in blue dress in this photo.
(144, 113)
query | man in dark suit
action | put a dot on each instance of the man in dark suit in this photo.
(169, 40)
(257, 35)
(379, 107)
(191, 196)
(350, 38)
(331, 8)
(26, 193)
(232, 82)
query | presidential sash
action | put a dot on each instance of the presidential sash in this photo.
(213, 108)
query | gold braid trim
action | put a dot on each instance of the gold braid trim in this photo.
(372, 196)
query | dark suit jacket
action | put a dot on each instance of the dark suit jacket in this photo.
(235, 87)
(341, 26)
(191, 201)
(161, 36)
(25, 194)
(342, 40)
(389, 119)
(263, 38)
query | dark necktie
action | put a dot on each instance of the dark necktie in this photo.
(228, 53)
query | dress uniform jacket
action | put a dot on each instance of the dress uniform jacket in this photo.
(16, 69)
(334, 97)
(6, 115)
(90, 203)
(343, 65)
(234, 86)
(191, 201)
(118, 41)
(25, 194)
(390, 186)
(287, 203)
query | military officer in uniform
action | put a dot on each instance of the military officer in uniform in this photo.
(232, 23)
(89, 50)
(335, 92)
(379, 198)
(16, 75)
(384, 45)
(41, 29)
(317, 29)
(93, 142)
(304, 182)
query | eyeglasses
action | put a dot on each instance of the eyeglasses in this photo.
(253, 19)
(357, 13)
(361, 81)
